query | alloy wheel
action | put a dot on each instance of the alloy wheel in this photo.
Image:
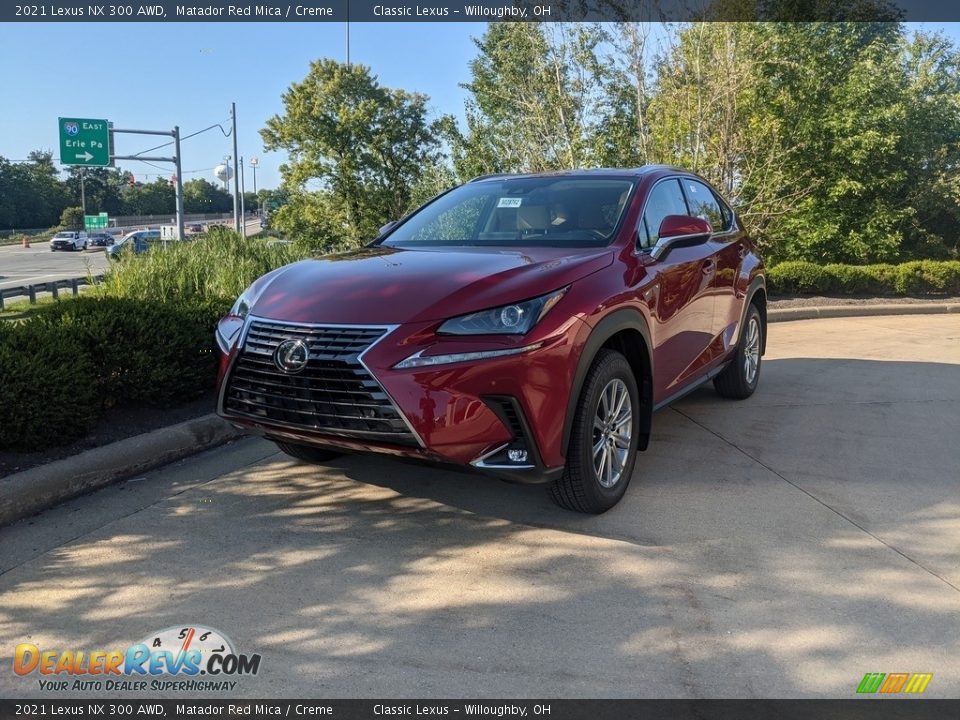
(751, 351)
(612, 428)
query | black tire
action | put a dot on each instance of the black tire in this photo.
(735, 381)
(307, 453)
(581, 488)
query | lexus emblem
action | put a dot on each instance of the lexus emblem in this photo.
(291, 356)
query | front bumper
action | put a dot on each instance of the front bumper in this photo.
(469, 414)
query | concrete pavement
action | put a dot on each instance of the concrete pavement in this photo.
(778, 547)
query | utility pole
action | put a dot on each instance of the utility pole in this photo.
(236, 176)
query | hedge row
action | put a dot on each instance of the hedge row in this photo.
(65, 365)
(922, 277)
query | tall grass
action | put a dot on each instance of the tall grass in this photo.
(217, 266)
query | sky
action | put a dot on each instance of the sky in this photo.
(155, 76)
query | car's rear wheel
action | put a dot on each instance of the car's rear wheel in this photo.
(307, 453)
(603, 440)
(741, 377)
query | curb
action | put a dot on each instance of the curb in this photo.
(838, 311)
(38, 488)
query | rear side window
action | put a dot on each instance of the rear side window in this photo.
(665, 199)
(703, 204)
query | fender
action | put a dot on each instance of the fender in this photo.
(624, 319)
(758, 283)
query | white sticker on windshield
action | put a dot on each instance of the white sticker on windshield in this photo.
(509, 202)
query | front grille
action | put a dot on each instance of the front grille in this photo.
(334, 394)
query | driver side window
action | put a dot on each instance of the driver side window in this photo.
(666, 198)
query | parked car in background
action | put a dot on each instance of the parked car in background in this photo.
(100, 239)
(195, 228)
(134, 243)
(526, 327)
(68, 240)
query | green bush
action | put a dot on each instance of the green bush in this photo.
(797, 276)
(45, 393)
(921, 277)
(143, 352)
(67, 363)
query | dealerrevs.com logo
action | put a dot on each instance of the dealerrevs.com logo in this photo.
(188, 658)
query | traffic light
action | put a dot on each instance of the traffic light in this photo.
(131, 182)
(173, 179)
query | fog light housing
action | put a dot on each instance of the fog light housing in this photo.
(517, 455)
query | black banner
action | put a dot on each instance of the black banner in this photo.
(855, 709)
(481, 11)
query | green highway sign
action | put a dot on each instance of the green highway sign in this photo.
(84, 141)
(96, 222)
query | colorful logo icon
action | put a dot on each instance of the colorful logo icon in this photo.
(892, 683)
(185, 651)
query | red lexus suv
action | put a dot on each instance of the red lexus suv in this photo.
(523, 326)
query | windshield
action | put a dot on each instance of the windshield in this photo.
(520, 212)
(64, 235)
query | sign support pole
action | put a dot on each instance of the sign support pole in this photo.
(181, 234)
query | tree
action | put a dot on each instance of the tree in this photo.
(356, 148)
(72, 218)
(202, 196)
(533, 95)
(31, 193)
(710, 113)
(102, 189)
(156, 198)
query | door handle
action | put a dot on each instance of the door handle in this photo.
(742, 251)
(708, 266)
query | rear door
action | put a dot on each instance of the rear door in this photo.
(684, 303)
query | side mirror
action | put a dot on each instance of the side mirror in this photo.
(680, 230)
(384, 229)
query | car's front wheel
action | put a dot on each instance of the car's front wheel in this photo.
(603, 441)
(307, 453)
(741, 377)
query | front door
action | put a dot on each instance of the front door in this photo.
(683, 308)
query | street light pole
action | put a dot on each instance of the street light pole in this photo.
(253, 163)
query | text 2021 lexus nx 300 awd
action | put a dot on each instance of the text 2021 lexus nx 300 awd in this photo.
(524, 326)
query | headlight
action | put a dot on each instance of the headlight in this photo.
(241, 308)
(514, 319)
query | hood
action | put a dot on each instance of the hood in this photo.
(383, 285)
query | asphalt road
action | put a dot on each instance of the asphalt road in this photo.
(36, 264)
(781, 546)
